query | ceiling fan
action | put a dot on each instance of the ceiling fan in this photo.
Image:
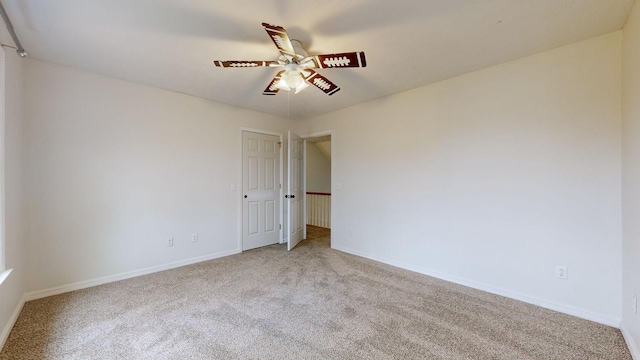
(297, 73)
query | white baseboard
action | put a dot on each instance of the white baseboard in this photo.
(631, 344)
(38, 294)
(566, 309)
(12, 321)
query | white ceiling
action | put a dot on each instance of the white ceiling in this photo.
(171, 44)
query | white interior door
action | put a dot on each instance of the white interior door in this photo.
(295, 196)
(261, 190)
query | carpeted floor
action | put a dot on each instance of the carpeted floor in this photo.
(312, 303)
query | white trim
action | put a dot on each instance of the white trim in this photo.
(333, 172)
(334, 194)
(304, 164)
(240, 188)
(305, 216)
(319, 134)
(258, 131)
(4, 275)
(282, 190)
(12, 321)
(38, 294)
(631, 344)
(566, 309)
(3, 79)
(333, 152)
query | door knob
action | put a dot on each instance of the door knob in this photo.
(245, 196)
(293, 196)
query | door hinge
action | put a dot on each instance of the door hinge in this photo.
(280, 226)
(279, 144)
(280, 186)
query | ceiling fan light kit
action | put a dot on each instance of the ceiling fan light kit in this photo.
(298, 65)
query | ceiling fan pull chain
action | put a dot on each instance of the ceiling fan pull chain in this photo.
(288, 104)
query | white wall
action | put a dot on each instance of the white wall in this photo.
(631, 178)
(12, 289)
(114, 169)
(318, 170)
(493, 178)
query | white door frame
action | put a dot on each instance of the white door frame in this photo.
(304, 165)
(238, 185)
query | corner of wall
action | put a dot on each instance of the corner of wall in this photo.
(4, 335)
(630, 193)
(633, 347)
(12, 287)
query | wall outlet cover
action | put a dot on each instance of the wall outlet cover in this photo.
(562, 272)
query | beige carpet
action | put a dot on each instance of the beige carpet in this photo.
(312, 303)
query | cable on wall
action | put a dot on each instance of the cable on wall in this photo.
(19, 49)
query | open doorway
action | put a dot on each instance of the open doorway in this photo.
(318, 188)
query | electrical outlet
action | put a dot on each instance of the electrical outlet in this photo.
(170, 242)
(194, 238)
(562, 272)
(634, 303)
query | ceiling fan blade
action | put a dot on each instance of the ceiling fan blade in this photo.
(321, 82)
(281, 39)
(243, 64)
(341, 60)
(273, 89)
